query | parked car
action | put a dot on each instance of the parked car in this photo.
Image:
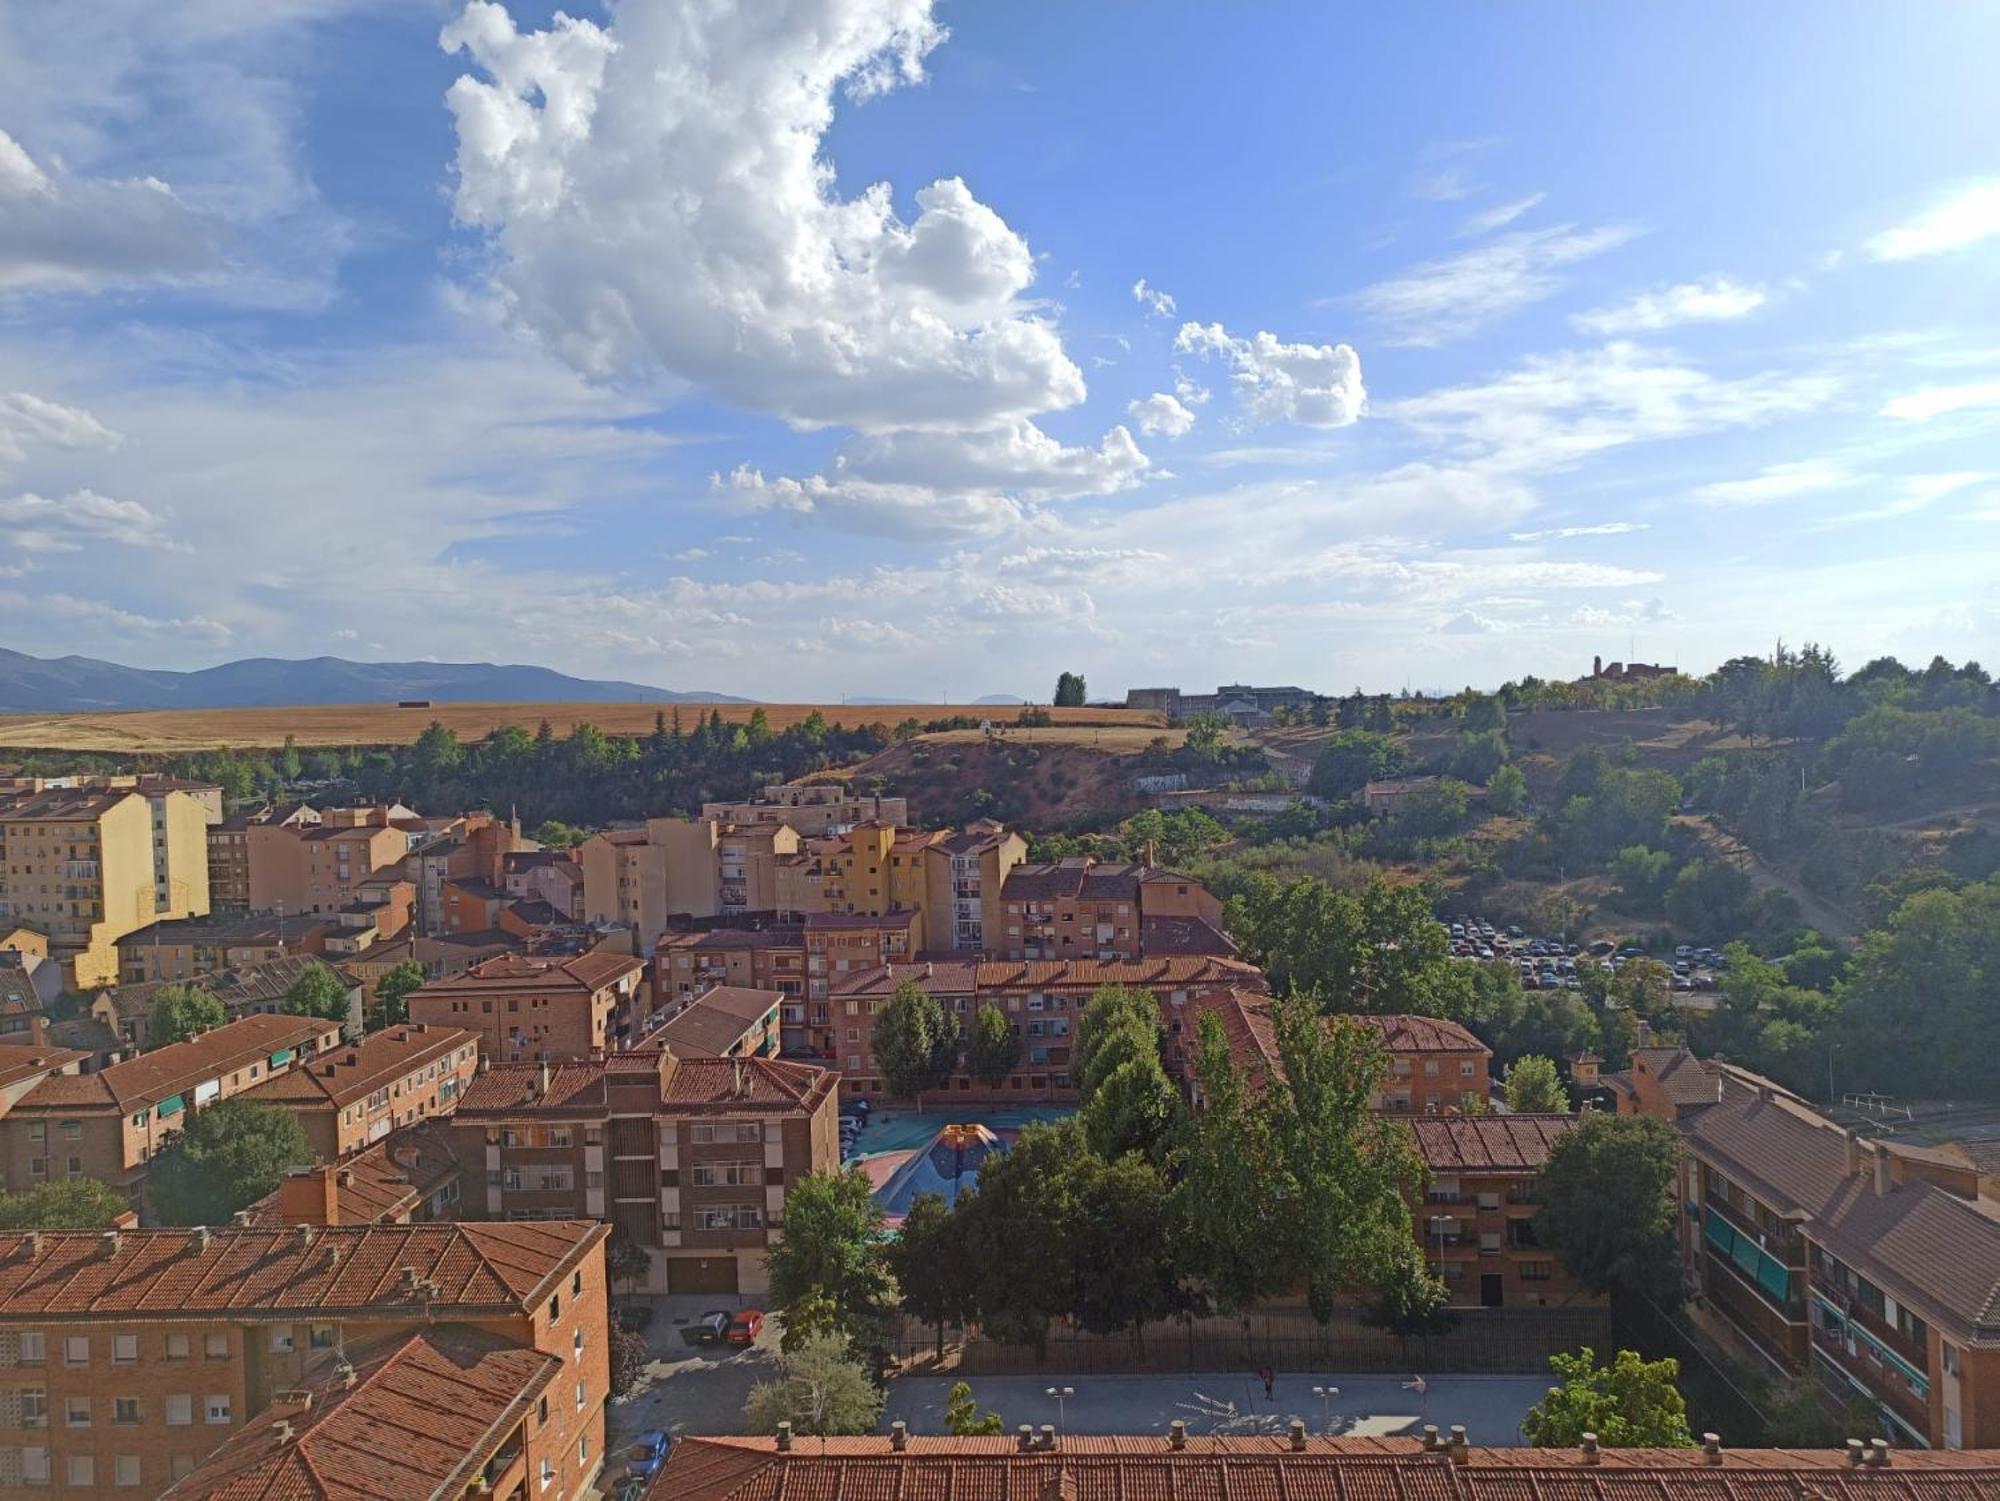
(745, 1327)
(648, 1452)
(708, 1329)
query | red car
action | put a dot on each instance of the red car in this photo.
(745, 1327)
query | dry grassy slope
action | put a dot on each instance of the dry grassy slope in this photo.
(1044, 778)
(157, 731)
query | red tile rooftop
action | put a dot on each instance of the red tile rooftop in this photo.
(350, 1073)
(141, 1082)
(1489, 1143)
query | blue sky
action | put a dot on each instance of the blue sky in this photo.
(831, 347)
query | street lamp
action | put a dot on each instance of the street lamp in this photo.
(1438, 1223)
(1061, 1394)
(1326, 1394)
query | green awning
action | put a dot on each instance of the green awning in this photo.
(171, 1106)
(280, 1058)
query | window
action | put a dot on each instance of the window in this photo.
(580, 1397)
(124, 1349)
(34, 1407)
(1430, 1068)
(217, 1407)
(35, 1466)
(583, 1449)
(548, 1472)
(76, 1412)
(576, 1343)
(180, 1409)
(76, 1349)
(81, 1470)
(33, 1347)
(320, 1337)
(1536, 1271)
(281, 1340)
(1467, 1068)
(177, 1347)
(555, 1307)
(215, 1346)
(125, 1410)
(125, 1469)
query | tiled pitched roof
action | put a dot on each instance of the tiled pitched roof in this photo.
(1251, 1031)
(422, 1416)
(384, 1181)
(20, 1061)
(247, 1272)
(1682, 1077)
(1930, 1249)
(525, 974)
(1423, 1034)
(1171, 972)
(346, 1074)
(686, 1085)
(62, 804)
(164, 1072)
(238, 988)
(723, 1084)
(1329, 1469)
(1184, 935)
(715, 1021)
(509, 1088)
(736, 938)
(1489, 1143)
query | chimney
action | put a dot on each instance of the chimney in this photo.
(784, 1438)
(1853, 1149)
(1460, 1454)
(1711, 1448)
(542, 1080)
(1297, 1430)
(1642, 1034)
(899, 1435)
(291, 1402)
(1024, 1437)
(1177, 1434)
(1590, 1448)
(1431, 1444)
(1878, 1453)
(409, 1280)
(1048, 1436)
(32, 1242)
(302, 1236)
(344, 1178)
(310, 1196)
(198, 1240)
(109, 1241)
(485, 1063)
(1857, 1453)
(1881, 1171)
(343, 1372)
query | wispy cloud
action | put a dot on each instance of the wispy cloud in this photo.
(1715, 300)
(1941, 401)
(1967, 216)
(1778, 482)
(1500, 216)
(1600, 529)
(1457, 295)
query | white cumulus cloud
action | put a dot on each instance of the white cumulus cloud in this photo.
(1969, 215)
(1153, 300)
(59, 232)
(1161, 415)
(1941, 401)
(36, 523)
(1313, 385)
(1714, 300)
(28, 421)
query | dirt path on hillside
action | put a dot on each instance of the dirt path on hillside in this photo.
(1815, 909)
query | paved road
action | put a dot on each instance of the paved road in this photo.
(1491, 1407)
(691, 1389)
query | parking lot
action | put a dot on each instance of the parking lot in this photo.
(1557, 964)
(689, 1388)
(1491, 1407)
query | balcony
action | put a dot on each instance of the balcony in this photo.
(1887, 1382)
(1779, 1241)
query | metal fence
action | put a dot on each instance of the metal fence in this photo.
(1493, 1340)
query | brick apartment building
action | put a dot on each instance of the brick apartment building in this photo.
(688, 1158)
(186, 948)
(1476, 1218)
(258, 988)
(128, 1358)
(551, 876)
(727, 1021)
(109, 1125)
(685, 964)
(409, 1177)
(1040, 998)
(229, 850)
(1874, 1264)
(1084, 908)
(355, 1095)
(322, 867)
(526, 1007)
(86, 866)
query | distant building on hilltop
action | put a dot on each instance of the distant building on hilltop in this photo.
(1234, 701)
(1627, 672)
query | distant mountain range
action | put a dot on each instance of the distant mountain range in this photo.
(70, 685)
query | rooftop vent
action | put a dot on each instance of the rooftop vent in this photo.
(1711, 1448)
(1297, 1432)
(784, 1438)
(198, 1239)
(899, 1435)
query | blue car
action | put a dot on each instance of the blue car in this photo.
(648, 1452)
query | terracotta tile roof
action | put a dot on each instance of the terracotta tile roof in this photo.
(340, 1077)
(1928, 1248)
(141, 1082)
(239, 988)
(510, 1088)
(444, 948)
(249, 1273)
(219, 929)
(1423, 1034)
(715, 1021)
(698, 1085)
(385, 1181)
(724, 1084)
(522, 974)
(736, 938)
(1184, 935)
(524, 860)
(1489, 1143)
(1172, 972)
(19, 1061)
(62, 804)
(423, 1415)
(1682, 1077)
(1264, 1468)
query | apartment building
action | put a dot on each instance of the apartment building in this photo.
(526, 1008)
(25, 996)
(814, 810)
(462, 847)
(551, 876)
(257, 989)
(689, 1158)
(24, 1065)
(229, 850)
(1040, 998)
(1085, 908)
(727, 1021)
(409, 1177)
(109, 1125)
(1476, 1219)
(1872, 1263)
(321, 867)
(684, 964)
(87, 866)
(187, 948)
(129, 1358)
(355, 1095)
(471, 904)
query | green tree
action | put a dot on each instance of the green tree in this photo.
(1409, 1299)
(1632, 1403)
(1120, 1023)
(1535, 1088)
(1643, 876)
(820, 1390)
(833, 1245)
(318, 992)
(393, 990)
(1069, 691)
(1608, 1208)
(915, 1042)
(1018, 1233)
(1507, 790)
(812, 1317)
(1134, 1108)
(230, 1155)
(1229, 1220)
(180, 1012)
(1350, 760)
(928, 1262)
(62, 1204)
(556, 835)
(1122, 1261)
(994, 1047)
(963, 1419)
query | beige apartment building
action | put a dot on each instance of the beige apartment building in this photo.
(323, 867)
(128, 1358)
(187, 948)
(526, 1008)
(680, 867)
(87, 866)
(229, 850)
(356, 1095)
(814, 810)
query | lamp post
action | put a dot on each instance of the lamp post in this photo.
(1438, 1222)
(1326, 1394)
(1061, 1394)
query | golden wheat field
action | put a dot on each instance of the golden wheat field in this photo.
(165, 731)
